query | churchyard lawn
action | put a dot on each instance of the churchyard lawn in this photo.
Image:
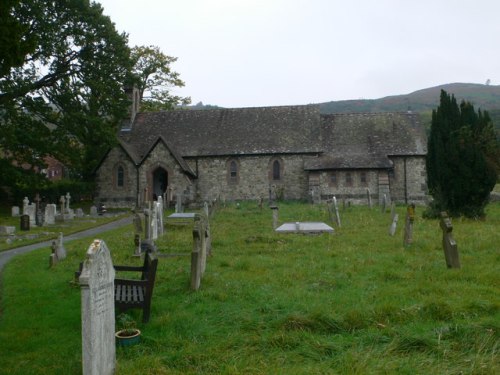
(355, 302)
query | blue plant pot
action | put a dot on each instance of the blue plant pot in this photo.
(124, 338)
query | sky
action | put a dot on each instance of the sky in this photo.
(251, 53)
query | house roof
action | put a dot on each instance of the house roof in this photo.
(366, 140)
(239, 131)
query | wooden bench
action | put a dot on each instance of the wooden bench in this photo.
(134, 293)
(130, 293)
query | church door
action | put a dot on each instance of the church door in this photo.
(160, 182)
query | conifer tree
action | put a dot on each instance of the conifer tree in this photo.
(461, 156)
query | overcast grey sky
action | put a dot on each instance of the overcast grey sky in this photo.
(245, 53)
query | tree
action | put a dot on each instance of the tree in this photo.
(61, 89)
(155, 79)
(461, 160)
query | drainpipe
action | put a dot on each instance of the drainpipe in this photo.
(405, 181)
(138, 193)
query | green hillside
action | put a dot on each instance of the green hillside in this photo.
(486, 97)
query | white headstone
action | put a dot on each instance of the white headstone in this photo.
(60, 250)
(154, 223)
(93, 211)
(98, 311)
(50, 214)
(392, 229)
(159, 215)
(26, 201)
(15, 211)
(68, 198)
(30, 210)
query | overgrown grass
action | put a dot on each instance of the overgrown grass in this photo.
(356, 302)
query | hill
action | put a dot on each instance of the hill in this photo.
(482, 96)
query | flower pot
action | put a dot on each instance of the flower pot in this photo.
(128, 337)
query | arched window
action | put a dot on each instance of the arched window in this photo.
(233, 172)
(276, 170)
(120, 176)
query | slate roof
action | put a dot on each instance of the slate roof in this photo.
(364, 141)
(238, 131)
(342, 141)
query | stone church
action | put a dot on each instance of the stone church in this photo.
(245, 153)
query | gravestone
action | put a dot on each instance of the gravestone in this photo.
(384, 203)
(38, 211)
(98, 311)
(147, 224)
(337, 215)
(161, 208)
(60, 250)
(25, 222)
(50, 214)
(138, 233)
(68, 198)
(199, 254)
(53, 256)
(15, 211)
(408, 232)
(154, 222)
(62, 200)
(178, 204)
(305, 228)
(26, 202)
(393, 210)
(275, 211)
(79, 213)
(93, 211)
(206, 209)
(369, 198)
(449, 245)
(392, 229)
(30, 210)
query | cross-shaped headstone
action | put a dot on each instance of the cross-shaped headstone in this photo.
(68, 197)
(449, 245)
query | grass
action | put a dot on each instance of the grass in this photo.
(356, 302)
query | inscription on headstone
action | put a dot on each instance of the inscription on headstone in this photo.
(98, 311)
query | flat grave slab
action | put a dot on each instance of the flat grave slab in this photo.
(181, 218)
(306, 227)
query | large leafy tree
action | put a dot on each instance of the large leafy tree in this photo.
(62, 74)
(156, 79)
(461, 158)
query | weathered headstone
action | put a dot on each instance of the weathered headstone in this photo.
(337, 215)
(394, 224)
(393, 209)
(25, 222)
(31, 212)
(50, 214)
(38, 210)
(384, 203)
(26, 202)
(178, 204)
(154, 222)
(408, 232)
(79, 213)
(93, 211)
(137, 234)
(98, 311)
(68, 198)
(62, 200)
(15, 211)
(198, 255)
(60, 250)
(449, 245)
(159, 216)
(369, 197)
(147, 224)
(275, 211)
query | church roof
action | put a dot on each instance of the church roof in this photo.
(365, 140)
(239, 131)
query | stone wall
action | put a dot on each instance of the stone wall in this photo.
(415, 179)
(109, 192)
(349, 185)
(253, 180)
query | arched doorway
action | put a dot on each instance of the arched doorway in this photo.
(160, 182)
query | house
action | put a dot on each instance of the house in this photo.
(244, 153)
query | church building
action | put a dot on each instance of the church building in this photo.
(294, 152)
